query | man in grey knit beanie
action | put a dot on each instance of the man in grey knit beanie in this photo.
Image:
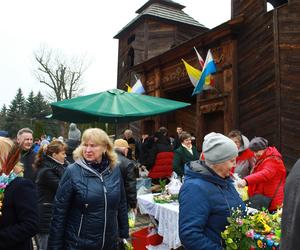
(218, 148)
(73, 141)
(74, 132)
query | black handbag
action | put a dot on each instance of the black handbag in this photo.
(260, 201)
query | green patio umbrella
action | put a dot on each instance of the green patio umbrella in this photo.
(112, 106)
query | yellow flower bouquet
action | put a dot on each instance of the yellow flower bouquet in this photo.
(252, 231)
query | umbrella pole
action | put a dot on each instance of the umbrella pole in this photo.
(115, 129)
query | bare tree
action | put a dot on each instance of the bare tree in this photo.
(62, 76)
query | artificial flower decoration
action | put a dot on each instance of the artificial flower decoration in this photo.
(252, 231)
(260, 244)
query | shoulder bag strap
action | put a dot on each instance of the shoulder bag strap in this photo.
(277, 189)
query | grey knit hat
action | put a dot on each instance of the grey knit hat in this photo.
(258, 143)
(74, 132)
(218, 148)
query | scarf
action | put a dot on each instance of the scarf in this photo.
(99, 166)
(188, 149)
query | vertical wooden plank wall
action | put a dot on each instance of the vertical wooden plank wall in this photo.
(256, 73)
(288, 21)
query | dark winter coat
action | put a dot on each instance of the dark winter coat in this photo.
(72, 145)
(127, 168)
(132, 147)
(48, 177)
(205, 202)
(28, 158)
(182, 156)
(269, 170)
(146, 156)
(19, 220)
(290, 221)
(176, 142)
(88, 209)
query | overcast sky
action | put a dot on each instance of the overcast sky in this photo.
(75, 27)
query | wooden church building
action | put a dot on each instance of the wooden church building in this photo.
(257, 83)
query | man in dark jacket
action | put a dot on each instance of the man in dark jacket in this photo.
(127, 168)
(25, 140)
(290, 221)
(73, 141)
(128, 136)
(177, 142)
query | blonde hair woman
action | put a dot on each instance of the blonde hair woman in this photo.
(90, 210)
(19, 218)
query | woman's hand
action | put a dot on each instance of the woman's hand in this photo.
(242, 183)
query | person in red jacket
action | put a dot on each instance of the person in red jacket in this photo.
(245, 160)
(268, 175)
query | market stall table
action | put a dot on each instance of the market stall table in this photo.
(167, 216)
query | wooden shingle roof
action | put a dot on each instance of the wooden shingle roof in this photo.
(162, 9)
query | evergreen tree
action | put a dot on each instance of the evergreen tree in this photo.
(42, 124)
(3, 111)
(43, 106)
(3, 114)
(16, 119)
(31, 108)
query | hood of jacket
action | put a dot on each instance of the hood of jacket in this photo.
(83, 164)
(198, 169)
(50, 163)
(270, 152)
(245, 144)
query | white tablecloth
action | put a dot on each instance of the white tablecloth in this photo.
(166, 214)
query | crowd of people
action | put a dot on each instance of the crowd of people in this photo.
(76, 193)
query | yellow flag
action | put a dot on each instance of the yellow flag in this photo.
(129, 89)
(193, 73)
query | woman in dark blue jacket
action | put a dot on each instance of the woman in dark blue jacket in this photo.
(90, 210)
(207, 196)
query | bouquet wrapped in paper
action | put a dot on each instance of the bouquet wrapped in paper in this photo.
(243, 192)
